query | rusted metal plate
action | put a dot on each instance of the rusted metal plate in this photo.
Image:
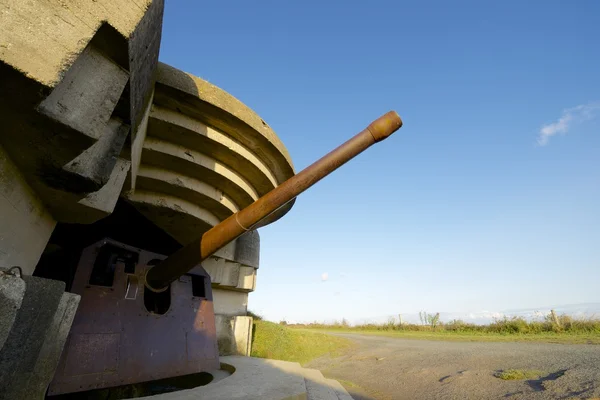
(115, 340)
(92, 353)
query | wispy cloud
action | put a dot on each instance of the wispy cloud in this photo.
(570, 116)
(324, 276)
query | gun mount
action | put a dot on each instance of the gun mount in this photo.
(159, 277)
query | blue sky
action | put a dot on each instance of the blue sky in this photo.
(488, 197)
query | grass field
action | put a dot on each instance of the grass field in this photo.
(303, 343)
(271, 340)
(549, 337)
(552, 329)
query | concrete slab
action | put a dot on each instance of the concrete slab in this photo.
(219, 109)
(39, 378)
(25, 223)
(341, 393)
(254, 378)
(234, 334)
(71, 88)
(87, 95)
(171, 125)
(12, 290)
(317, 386)
(34, 344)
(62, 30)
(247, 249)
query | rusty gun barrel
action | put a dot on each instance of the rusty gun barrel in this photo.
(159, 277)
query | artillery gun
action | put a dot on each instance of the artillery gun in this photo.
(144, 316)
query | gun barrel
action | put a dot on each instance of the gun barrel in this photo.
(159, 277)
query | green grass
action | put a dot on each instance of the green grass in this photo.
(279, 342)
(552, 329)
(520, 374)
(547, 337)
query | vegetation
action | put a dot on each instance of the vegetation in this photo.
(429, 319)
(552, 328)
(276, 341)
(519, 374)
(254, 316)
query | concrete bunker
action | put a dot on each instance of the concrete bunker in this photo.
(93, 190)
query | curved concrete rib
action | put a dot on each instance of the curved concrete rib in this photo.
(203, 148)
(180, 218)
(178, 128)
(201, 100)
(186, 188)
(192, 163)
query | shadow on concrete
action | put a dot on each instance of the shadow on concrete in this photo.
(141, 389)
(538, 384)
(272, 379)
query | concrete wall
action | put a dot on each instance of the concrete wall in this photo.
(41, 38)
(234, 335)
(228, 302)
(25, 224)
(232, 273)
(197, 154)
(43, 315)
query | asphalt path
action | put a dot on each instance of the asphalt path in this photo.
(390, 368)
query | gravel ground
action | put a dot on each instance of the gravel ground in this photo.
(390, 368)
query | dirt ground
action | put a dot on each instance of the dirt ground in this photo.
(390, 368)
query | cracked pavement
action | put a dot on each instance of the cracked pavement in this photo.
(390, 368)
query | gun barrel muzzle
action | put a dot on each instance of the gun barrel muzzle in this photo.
(160, 276)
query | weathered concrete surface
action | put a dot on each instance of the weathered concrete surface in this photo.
(247, 249)
(34, 344)
(234, 334)
(12, 290)
(143, 46)
(253, 379)
(25, 224)
(315, 389)
(393, 368)
(230, 302)
(230, 275)
(150, 178)
(74, 77)
(233, 275)
(42, 38)
(205, 156)
(36, 382)
(258, 378)
(77, 78)
(168, 124)
(84, 102)
(138, 137)
(188, 162)
(224, 112)
(88, 93)
(97, 205)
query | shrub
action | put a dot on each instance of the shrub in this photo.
(506, 325)
(519, 374)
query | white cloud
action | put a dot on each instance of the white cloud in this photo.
(324, 276)
(581, 113)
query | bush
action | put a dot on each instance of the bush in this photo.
(507, 325)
